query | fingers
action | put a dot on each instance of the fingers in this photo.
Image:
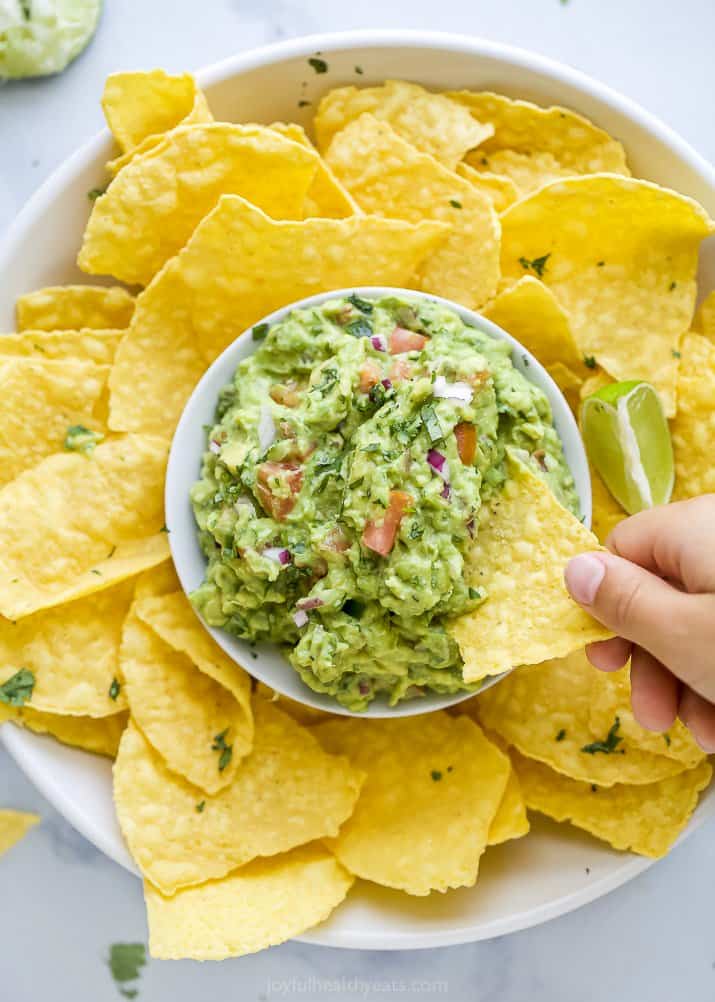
(698, 715)
(654, 692)
(669, 542)
(609, 655)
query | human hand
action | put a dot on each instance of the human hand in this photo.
(656, 590)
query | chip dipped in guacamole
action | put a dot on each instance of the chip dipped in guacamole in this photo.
(341, 486)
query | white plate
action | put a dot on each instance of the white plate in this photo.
(556, 868)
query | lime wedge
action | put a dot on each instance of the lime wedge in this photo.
(39, 37)
(628, 441)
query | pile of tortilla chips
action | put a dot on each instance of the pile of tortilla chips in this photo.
(251, 816)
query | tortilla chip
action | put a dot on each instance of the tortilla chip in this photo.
(526, 536)
(530, 312)
(142, 104)
(287, 792)
(704, 322)
(621, 256)
(153, 206)
(81, 345)
(39, 402)
(527, 172)
(98, 518)
(510, 820)
(326, 196)
(260, 905)
(606, 511)
(73, 307)
(595, 382)
(693, 428)
(543, 711)
(159, 580)
(386, 175)
(97, 735)
(432, 123)
(73, 652)
(611, 698)
(203, 298)
(572, 142)
(305, 715)
(182, 702)
(646, 819)
(14, 825)
(434, 783)
(501, 191)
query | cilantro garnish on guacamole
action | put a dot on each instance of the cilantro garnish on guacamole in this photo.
(342, 486)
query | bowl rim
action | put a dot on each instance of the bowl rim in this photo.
(184, 465)
(22, 744)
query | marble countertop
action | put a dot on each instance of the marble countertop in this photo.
(61, 902)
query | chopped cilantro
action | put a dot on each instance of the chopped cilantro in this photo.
(436, 775)
(537, 265)
(561, 735)
(477, 594)
(609, 744)
(673, 285)
(200, 806)
(94, 193)
(330, 378)
(455, 203)
(114, 689)
(600, 264)
(259, 332)
(164, 528)
(364, 305)
(81, 439)
(666, 738)
(25, 7)
(416, 531)
(358, 328)
(319, 65)
(589, 361)
(220, 745)
(675, 353)
(594, 788)
(125, 963)
(431, 423)
(97, 572)
(17, 690)
(359, 70)
(303, 103)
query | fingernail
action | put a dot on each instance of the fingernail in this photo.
(583, 576)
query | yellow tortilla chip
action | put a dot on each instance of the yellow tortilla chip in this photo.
(530, 312)
(99, 735)
(196, 712)
(704, 322)
(620, 256)
(73, 652)
(73, 307)
(142, 104)
(40, 403)
(287, 792)
(524, 535)
(611, 698)
(98, 516)
(595, 382)
(326, 196)
(82, 345)
(203, 298)
(646, 819)
(159, 580)
(527, 172)
(151, 209)
(386, 175)
(432, 123)
(576, 145)
(510, 820)
(606, 511)
(305, 715)
(543, 711)
(693, 428)
(260, 905)
(500, 190)
(14, 825)
(433, 782)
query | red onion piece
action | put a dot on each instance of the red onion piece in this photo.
(436, 460)
(300, 618)
(214, 447)
(305, 604)
(277, 553)
(378, 342)
(266, 429)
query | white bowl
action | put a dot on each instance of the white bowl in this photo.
(556, 868)
(265, 661)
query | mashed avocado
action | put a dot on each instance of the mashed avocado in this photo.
(351, 454)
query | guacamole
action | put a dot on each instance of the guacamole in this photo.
(341, 485)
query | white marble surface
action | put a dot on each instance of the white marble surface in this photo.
(61, 903)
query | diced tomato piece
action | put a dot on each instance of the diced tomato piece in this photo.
(400, 370)
(288, 474)
(402, 340)
(466, 435)
(285, 393)
(370, 375)
(381, 537)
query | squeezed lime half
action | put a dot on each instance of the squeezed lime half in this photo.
(39, 37)
(628, 442)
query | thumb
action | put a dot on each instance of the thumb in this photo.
(645, 609)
